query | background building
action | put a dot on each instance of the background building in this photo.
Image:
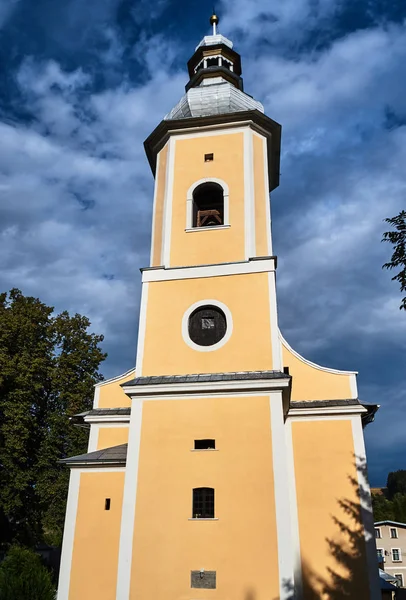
(390, 538)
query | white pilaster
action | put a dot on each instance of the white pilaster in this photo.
(68, 535)
(282, 498)
(129, 503)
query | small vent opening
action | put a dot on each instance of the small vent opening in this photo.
(107, 504)
(205, 444)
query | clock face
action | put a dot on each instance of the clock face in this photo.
(207, 325)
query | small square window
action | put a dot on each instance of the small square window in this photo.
(393, 532)
(377, 533)
(208, 157)
(107, 504)
(207, 323)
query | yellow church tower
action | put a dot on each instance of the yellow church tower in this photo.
(224, 466)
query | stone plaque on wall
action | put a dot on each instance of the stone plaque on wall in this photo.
(205, 579)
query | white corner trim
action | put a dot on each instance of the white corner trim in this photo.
(249, 205)
(221, 270)
(353, 385)
(294, 517)
(96, 398)
(312, 364)
(185, 325)
(93, 438)
(282, 498)
(68, 536)
(273, 316)
(267, 195)
(142, 327)
(366, 509)
(116, 378)
(129, 504)
(154, 207)
(168, 202)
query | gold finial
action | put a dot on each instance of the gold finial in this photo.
(214, 20)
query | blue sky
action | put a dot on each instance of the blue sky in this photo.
(84, 83)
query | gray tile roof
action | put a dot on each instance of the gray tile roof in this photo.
(115, 455)
(105, 412)
(323, 403)
(202, 377)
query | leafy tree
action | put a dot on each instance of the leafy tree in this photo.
(24, 577)
(396, 483)
(382, 508)
(48, 366)
(398, 259)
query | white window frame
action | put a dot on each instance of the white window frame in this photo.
(382, 550)
(185, 325)
(399, 576)
(378, 537)
(400, 555)
(395, 537)
(189, 204)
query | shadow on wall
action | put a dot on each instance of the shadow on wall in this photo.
(348, 578)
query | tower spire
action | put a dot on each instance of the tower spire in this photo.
(214, 21)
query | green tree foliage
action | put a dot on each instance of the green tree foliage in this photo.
(398, 259)
(48, 366)
(391, 506)
(23, 577)
(396, 483)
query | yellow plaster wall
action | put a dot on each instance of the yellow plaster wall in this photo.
(111, 395)
(325, 476)
(159, 208)
(310, 383)
(248, 349)
(112, 436)
(241, 474)
(97, 533)
(262, 225)
(217, 245)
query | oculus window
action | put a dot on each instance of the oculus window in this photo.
(208, 205)
(203, 503)
(207, 325)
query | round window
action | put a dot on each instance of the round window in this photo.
(207, 325)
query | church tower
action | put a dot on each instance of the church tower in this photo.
(225, 465)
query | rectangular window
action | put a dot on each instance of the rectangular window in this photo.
(381, 556)
(205, 444)
(203, 503)
(399, 577)
(396, 555)
(393, 532)
(208, 157)
(377, 533)
(107, 504)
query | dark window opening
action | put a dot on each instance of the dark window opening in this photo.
(208, 157)
(208, 205)
(227, 64)
(107, 504)
(203, 503)
(205, 444)
(207, 325)
(212, 62)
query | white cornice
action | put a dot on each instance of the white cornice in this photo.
(264, 265)
(206, 387)
(93, 419)
(352, 409)
(116, 378)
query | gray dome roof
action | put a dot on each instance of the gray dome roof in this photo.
(215, 99)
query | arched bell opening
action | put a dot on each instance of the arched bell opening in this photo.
(208, 205)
